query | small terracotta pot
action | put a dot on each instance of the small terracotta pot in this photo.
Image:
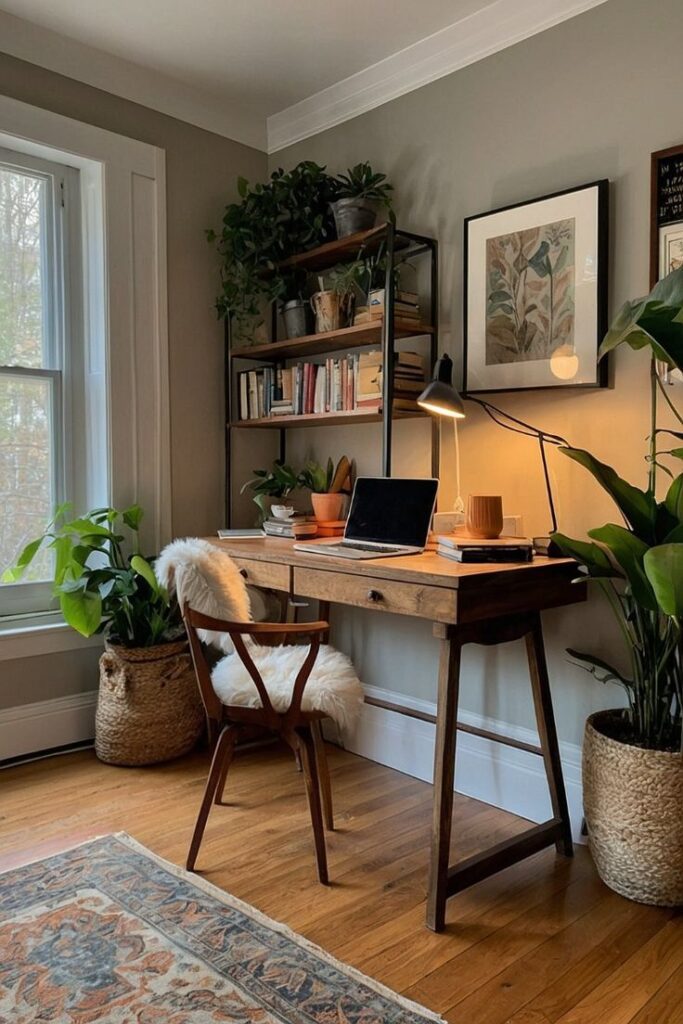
(484, 516)
(327, 507)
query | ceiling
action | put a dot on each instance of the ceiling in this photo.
(267, 72)
(271, 53)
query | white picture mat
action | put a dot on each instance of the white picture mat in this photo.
(582, 206)
(670, 245)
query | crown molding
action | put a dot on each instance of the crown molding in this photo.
(149, 88)
(497, 26)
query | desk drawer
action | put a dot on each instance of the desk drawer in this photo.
(426, 602)
(264, 574)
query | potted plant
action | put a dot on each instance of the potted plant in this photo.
(269, 484)
(148, 706)
(360, 195)
(346, 282)
(633, 757)
(326, 485)
(288, 214)
(294, 305)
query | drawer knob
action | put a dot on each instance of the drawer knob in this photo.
(374, 596)
(244, 573)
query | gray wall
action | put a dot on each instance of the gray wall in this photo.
(201, 171)
(588, 99)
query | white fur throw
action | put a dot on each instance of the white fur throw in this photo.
(333, 686)
(209, 580)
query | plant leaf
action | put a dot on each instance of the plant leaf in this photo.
(592, 663)
(142, 567)
(592, 556)
(132, 517)
(638, 507)
(664, 568)
(674, 499)
(629, 551)
(15, 572)
(82, 609)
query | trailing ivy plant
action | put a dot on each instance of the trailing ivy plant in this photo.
(638, 564)
(290, 213)
(100, 585)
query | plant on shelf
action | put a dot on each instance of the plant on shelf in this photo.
(290, 291)
(327, 485)
(360, 194)
(277, 482)
(148, 708)
(633, 759)
(288, 214)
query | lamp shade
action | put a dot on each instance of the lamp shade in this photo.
(440, 397)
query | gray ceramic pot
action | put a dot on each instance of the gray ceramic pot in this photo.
(351, 215)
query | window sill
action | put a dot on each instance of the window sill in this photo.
(36, 635)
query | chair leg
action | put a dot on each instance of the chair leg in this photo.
(323, 773)
(313, 792)
(227, 761)
(223, 752)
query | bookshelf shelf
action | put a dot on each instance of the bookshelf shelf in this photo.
(330, 341)
(384, 333)
(326, 419)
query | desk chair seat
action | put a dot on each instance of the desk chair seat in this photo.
(288, 689)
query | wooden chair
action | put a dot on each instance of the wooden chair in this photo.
(230, 722)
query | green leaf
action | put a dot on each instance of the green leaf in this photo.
(638, 507)
(655, 321)
(132, 517)
(629, 551)
(87, 528)
(142, 567)
(674, 499)
(664, 568)
(15, 572)
(593, 663)
(82, 610)
(592, 556)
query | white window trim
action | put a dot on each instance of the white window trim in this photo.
(123, 213)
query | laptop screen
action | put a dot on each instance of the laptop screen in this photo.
(391, 510)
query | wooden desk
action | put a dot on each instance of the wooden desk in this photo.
(480, 604)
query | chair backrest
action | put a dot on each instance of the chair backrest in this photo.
(203, 576)
(196, 622)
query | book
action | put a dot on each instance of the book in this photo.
(471, 555)
(240, 534)
(456, 540)
(285, 528)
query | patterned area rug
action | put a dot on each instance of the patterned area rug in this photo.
(109, 932)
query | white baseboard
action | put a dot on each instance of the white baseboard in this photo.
(503, 776)
(46, 724)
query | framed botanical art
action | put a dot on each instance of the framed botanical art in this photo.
(536, 292)
(666, 216)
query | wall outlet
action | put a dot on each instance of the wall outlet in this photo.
(447, 522)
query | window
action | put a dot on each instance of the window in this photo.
(41, 383)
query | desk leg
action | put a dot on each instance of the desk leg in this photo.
(545, 721)
(444, 776)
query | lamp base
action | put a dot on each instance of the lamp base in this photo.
(547, 546)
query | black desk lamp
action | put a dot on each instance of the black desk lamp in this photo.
(441, 398)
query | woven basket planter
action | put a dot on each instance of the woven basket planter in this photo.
(148, 707)
(633, 802)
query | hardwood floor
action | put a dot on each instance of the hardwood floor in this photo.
(542, 943)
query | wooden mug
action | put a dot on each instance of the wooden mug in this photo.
(484, 516)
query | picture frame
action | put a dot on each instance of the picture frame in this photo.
(535, 292)
(666, 212)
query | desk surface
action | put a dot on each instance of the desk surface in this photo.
(427, 568)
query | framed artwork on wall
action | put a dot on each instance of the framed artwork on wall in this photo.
(536, 292)
(666, 212)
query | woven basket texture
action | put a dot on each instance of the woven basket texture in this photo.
(633, 802)
(148, 706)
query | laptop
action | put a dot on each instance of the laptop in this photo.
(389, 516)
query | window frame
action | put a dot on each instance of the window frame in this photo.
(63, 349)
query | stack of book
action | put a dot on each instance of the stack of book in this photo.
(406, 307)
(409, 379)
(297, 527)
(472, 549)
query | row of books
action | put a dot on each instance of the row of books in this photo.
(335, 385)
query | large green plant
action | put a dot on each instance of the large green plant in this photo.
(361, 182)
(288, 214)
(100, 586)
(638, 564)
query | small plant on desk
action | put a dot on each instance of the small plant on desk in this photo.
(327, 486)
(277, 482)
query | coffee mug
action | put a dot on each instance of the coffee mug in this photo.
(484, 516)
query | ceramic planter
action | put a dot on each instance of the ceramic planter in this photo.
(632, 803)
(353, 214)
(327, 507)
(327, 309)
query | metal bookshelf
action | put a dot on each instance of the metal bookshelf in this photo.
(384, 333)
